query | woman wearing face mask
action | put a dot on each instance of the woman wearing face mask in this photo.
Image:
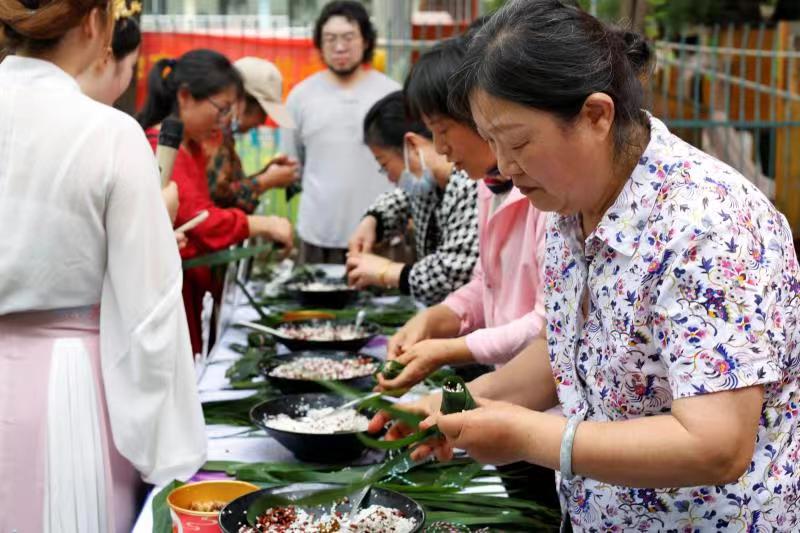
(96, 377)
(672, 288)
(495, 315)
(440, 201)
(201, 88)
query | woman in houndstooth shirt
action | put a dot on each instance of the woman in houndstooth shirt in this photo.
(441, 204)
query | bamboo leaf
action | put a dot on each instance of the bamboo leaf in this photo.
(234, 412)
(414, 438)
(223, 257)
(379, 404)
(162, 519)
(436, 379)
(280, 473)
(494, 501)
(341, 477)
(391, 369)
(456, 396)
(424, 482)
(498, 519)
(257, 339)
(394, 466)
(238, 348)
(447, 527)
(340, 389)
(220, 466)
(458, 477)
(248, 366)
(251, 385)
(264, 316)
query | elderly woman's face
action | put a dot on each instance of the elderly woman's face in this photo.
(552, 163)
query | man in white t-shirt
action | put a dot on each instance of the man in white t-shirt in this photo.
(340, 178)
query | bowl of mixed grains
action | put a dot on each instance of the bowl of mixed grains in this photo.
(300, 371)
(382, 511)
(326, 335)
(196, 506)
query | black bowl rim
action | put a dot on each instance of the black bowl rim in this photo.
(263, 426)
(373, 329)
(293, 287)
(291, 356)
(322, 486)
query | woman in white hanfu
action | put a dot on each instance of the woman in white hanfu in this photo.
(96, 372)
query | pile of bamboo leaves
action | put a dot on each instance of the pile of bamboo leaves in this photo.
(438, 487)
(445, 490)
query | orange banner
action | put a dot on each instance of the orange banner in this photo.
(296, 58)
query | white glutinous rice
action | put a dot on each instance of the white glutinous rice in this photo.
(373, 519)
(346, 420)
(321, 286)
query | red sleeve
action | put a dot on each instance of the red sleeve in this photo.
(222, 228)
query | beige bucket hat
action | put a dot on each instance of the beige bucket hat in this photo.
(263, 81)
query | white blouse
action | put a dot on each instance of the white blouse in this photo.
(84, 223)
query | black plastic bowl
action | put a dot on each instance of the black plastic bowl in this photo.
(309, 447)
(295, 386)
(353, 345)
(334, 299)
(234, 515)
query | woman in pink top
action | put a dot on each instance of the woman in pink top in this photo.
(501, 310)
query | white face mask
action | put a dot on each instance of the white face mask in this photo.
(413, 185)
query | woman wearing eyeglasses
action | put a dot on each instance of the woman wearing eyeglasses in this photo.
(201, 89)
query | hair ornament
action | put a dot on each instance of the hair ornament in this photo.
(122, 10)
(168, 68)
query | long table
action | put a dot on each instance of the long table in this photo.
(226, 443)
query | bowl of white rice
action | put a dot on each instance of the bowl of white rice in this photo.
(309, 426)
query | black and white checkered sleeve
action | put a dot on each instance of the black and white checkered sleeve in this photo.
(450, 266)
(392, 210)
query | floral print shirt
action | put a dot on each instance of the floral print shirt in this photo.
(692, 287)
(228, 184)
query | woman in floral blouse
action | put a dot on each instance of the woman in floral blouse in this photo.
(672, 296)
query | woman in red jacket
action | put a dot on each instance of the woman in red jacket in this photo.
(201, 89)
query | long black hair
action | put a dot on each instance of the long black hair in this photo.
(426, 87)
(354, 12)
(550, 56)
(386, 123)
(127, 38)
(202, 72)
